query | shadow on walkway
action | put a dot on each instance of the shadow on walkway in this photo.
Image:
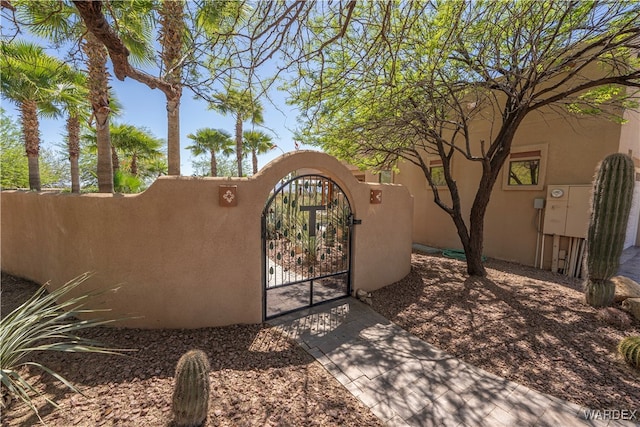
(406, 381)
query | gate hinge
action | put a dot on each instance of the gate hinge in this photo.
(353, 221)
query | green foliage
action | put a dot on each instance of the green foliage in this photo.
(14, 170)
(227, 166)
(629, 348)
(191, 389)
(138, 151)
(610, 207)
(124, 182)
(46, 322)
(257, 141)
(410, 81)
(207, 140)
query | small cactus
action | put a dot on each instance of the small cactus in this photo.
(610, 206)
(191, 389)
(629, 348)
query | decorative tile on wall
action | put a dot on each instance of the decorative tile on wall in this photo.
(375, 197)
(228, 195)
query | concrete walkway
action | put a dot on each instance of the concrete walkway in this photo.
(407, 382)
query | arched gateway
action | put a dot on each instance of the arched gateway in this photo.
(189, 250)
(306, 239)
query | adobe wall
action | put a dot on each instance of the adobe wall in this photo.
(179, 258)
(575, 147)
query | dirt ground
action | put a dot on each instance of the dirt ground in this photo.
(258, 378)
(528, 325)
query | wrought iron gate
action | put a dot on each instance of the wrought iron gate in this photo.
(306, 237)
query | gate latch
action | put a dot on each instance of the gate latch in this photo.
(353, 221)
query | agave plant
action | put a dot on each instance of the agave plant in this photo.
(44, 324)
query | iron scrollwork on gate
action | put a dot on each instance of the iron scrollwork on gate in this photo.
(306, 228)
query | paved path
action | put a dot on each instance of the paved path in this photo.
(408, 382)
(630, 263)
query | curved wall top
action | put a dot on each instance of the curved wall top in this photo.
(183, 258)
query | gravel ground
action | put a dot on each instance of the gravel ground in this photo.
(528, 325)
(258, 378)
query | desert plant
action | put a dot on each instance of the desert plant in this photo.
(124, 182)
(191, 389)
(629, 348)
(610, 206)
(43, 324)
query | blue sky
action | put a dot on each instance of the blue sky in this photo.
(145, 107)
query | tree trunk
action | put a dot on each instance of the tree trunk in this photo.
(239, 143)
(105, 160)
(99, 98)
(115, 159)
(134, 164)
(214, 164)
(73, 141)
(34, 172)
(254, 158)
(472, 238)
(490, 170)
(31, 131)
(173, 135)
(172, 30)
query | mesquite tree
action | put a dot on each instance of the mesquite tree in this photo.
(411, 80)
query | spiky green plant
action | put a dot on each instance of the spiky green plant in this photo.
(610, 206)
(629, 348)
(45, 322)
(191, 389)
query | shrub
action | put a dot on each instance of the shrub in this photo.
(43, 324)
(629, 348)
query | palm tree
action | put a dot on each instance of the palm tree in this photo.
(243, 107)
(60, 23)
(258, 143)
(28, 79)
(72, 98)
(172, 39)
(135, 143)
(213, 141)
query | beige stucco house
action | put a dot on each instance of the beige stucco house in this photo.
(539, 221)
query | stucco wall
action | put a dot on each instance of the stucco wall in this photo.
(575, 146)
(181, 260)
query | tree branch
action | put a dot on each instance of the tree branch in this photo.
(96, 23)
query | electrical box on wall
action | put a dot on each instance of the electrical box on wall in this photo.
(567, 210)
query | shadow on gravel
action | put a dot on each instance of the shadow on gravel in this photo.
(518, 323)
(250, 353)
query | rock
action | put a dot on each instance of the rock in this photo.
(625, 288)
(364, 296)
(632, 305)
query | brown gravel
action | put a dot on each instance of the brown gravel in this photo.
(528, 325)
(258, 378)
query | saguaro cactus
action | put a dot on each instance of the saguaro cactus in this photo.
(610, 206)
(191, 389)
